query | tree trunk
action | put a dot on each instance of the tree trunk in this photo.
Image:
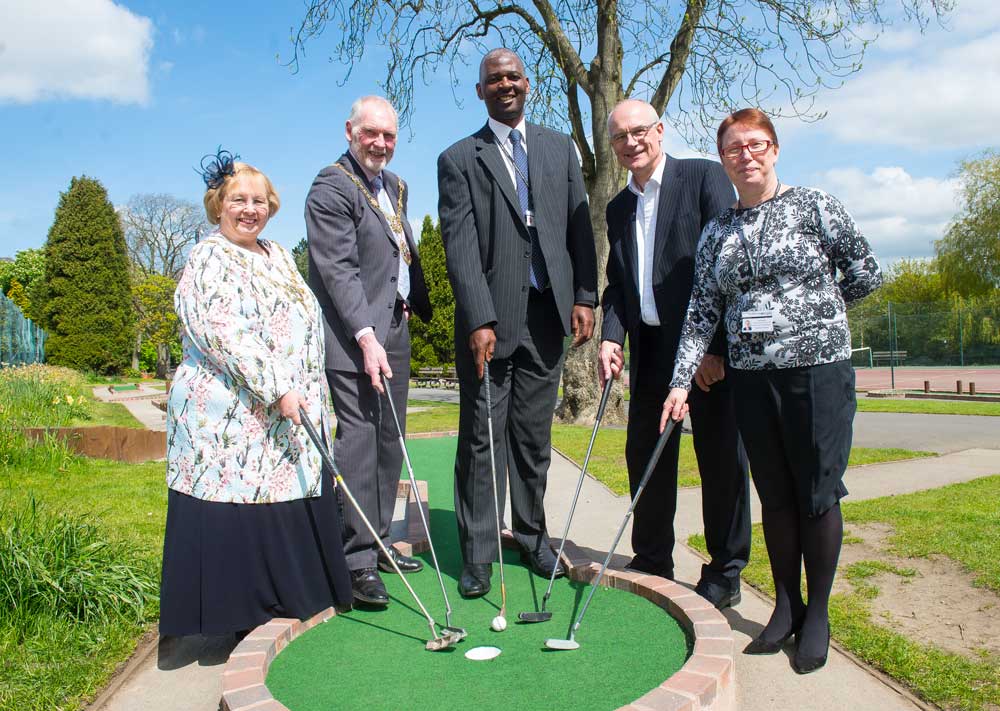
(135, 351)
(581, 389)
(162, 360)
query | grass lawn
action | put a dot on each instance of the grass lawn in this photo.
(607, 462)
(962, 522)
(929, 407)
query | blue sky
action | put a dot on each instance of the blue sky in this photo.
(134, 93)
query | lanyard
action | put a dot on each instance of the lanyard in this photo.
(755, 264)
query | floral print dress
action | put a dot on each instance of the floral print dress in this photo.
(790, 271)
(251, 332)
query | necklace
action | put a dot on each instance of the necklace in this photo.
(755, 263)
(395, 221)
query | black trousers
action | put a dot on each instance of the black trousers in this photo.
(722, 463)
(525, 386)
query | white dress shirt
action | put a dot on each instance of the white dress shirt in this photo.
(502, 132)
(646, 208)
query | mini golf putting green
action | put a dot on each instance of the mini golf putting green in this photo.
(375, 659)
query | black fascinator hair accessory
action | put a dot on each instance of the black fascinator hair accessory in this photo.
(216, 168)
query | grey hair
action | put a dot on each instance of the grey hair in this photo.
(359, 105)
(648, 106)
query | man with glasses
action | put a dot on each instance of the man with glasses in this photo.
(653, 230)
(365, 272)
(521, 261)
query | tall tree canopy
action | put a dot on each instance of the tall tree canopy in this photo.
(700, 58)
(88, 308)
(434, 342)
(969, 253)
(160, 231)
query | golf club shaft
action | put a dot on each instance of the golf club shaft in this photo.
(416, 496)
(332, 466)
(493, 480)
(579, 486)
(657, 451)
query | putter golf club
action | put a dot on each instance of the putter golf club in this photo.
(542, 615)
(571, 643)
(459, 632)
(500, 621)
(439, 641)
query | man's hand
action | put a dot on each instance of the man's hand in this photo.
(711, 371)
(610, 361)
(482, 341)
(582, 322)
(674, 407)
(289, 404)
(375, 361)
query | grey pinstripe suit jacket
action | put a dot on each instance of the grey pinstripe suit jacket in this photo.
(354, 262)
(693, 192)
(487, 245)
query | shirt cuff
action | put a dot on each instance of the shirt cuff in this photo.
(363, 332)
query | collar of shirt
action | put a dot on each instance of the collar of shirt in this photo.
(656, 179)
(502, 131)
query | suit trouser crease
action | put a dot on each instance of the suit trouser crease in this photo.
(525, 387)
(366, 447)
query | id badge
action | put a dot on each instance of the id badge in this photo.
(758, 321)
(529, 218)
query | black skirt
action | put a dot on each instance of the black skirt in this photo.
(231, 567)
(797, 427)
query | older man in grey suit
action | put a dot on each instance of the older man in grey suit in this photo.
(365, 272)
(653, 230)
(521, 261)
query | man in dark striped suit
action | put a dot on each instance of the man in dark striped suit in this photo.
(521, 261)
(653, 230)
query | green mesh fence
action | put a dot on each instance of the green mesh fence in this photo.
(926, 335)
(21, 341)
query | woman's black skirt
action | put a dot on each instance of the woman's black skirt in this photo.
(797, 427)
(230, 567)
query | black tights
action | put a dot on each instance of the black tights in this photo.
(791, 540)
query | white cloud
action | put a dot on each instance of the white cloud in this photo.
(89, 49)
(899, 214)
(938, 88)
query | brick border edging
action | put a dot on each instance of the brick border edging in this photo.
(706, 682)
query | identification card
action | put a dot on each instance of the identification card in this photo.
(758, 321)
(529, 218)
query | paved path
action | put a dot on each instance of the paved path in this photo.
(928, 433)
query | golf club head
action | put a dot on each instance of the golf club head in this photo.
(440, 643)
(534, 616)
(562, 644)
(456, 633)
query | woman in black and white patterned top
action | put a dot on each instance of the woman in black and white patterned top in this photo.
(767, 269)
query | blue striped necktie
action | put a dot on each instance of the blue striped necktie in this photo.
(537, 272)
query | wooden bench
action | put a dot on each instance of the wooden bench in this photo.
(436, 376)
(879, 357)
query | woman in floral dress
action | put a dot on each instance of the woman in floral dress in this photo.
(767, 270)
(253, 529)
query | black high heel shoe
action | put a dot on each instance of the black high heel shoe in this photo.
(763, 646)
(806, 665)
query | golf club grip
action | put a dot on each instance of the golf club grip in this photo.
(392, 405)
(604, 399)
(658, 449)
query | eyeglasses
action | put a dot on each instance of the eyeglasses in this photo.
(638, 133)
(755, 148)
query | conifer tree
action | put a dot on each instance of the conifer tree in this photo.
(88, 308)
(434, 343)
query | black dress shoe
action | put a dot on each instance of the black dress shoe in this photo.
(719, 595)
(763, 646)
(368, 587)
(475, 579)
(542, 561)
(406, 563)
(806, 665)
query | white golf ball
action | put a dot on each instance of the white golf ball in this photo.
(499, 624)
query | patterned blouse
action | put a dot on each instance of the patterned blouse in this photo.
(251, 331)
(810, 236)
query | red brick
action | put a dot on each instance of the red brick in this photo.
(256, 646)
(693, 601)
(693, 685)
(714, 647)
(239, 699)
(710, 615)
(232, 680)
(717, 668)
(662, 699)
(714, 630)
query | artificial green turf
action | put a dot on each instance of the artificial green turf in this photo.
(375, 659)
